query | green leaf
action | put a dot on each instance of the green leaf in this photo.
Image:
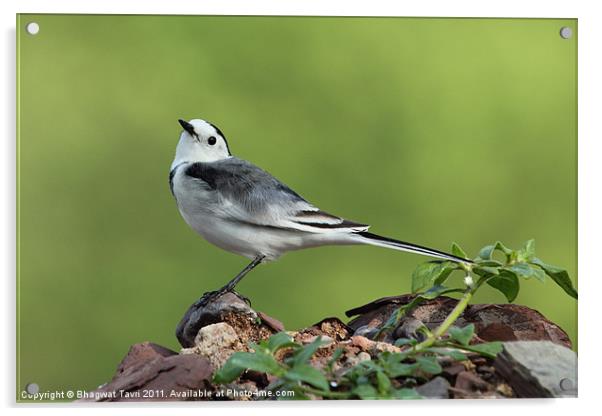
(487, 349)
(383, 383)
(433, 273)
(458, 252)
(521, 270)
(526, 271)
(257, 361)
(437, 291)
(280, 340)
(539, 274)
(228, 373)
(406, 394)
(307, 374)
(462, 335)
(485, 271)
(365, 391)
(501, 247)
(528, 251)
(507, 283)
(398, 313)
(443, 272)
(392, 357)
(422, 275)
(400, 369)
(393, 366)
(302, 355)
(429, 365)
(261, 347)
(559, 275)
(489, 263)
(486, 252)
(405, 341)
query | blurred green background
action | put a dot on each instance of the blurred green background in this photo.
(431, 130)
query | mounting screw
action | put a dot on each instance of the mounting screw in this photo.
(32, 28)
(566, 32)
(32, 388)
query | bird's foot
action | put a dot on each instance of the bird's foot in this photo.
(213, 295)
(243, 297)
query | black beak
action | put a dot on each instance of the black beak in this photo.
(187, 126)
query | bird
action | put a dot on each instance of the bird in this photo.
(243, 209)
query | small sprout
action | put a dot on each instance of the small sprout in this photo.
(468, 281)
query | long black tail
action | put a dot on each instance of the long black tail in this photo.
(380, 241)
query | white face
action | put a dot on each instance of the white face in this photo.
(200, 142)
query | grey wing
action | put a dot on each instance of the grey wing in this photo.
(248, 194)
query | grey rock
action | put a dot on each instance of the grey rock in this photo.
(409, 327)
(538, 369)
(437, 388)
(366, 331)
(200, 315)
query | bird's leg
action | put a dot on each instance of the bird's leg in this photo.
(229, 287)
(232, 283)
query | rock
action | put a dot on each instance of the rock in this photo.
(511, 322)
(454, 369)
(229, 308)
(504, 390)
(366, 331)
(409, 327)
(469, 381)
(354, 359)
(437, 388)
(273, 323)
(362, 342)
(373, 347)
(141, 353)
(363, 356)
(216, 342)
(150, 372)
(375, 313)
(505, 322)
(333, 328)
(210, 332)
(538, 369)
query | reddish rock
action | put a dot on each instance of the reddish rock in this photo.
(150, 372)
(272, 323)
(142, 353)
(505, 322)
(469, 381)
(514, 323)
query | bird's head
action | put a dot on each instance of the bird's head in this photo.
(201, 141)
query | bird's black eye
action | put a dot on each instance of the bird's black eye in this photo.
(211, 140)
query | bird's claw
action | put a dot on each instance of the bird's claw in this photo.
(213, 295)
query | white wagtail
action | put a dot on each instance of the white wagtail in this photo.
(243, 209)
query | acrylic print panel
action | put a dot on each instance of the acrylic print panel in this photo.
(432, 131)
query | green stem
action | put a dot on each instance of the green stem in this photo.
(451, 318)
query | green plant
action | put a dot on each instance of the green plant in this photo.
(294, 372)
(368, 379)
(392, 375)
(502, 274)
